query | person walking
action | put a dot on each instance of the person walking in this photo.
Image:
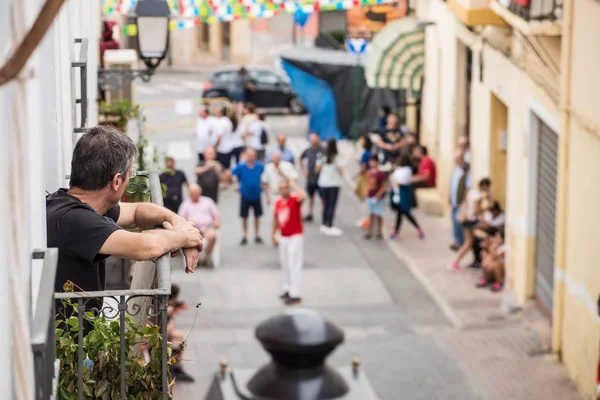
(205, 132)
(376, 189)
(288, 216)
(174, 180)
(248, 174)
(258, 134)
(402, 196)
(308, 162)
(240, 87)
(224, 133)
(330, 173)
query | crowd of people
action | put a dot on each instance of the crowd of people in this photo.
(477, 222)
(233, 151)
(393, 163)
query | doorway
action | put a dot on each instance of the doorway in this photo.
(498, 146)
(464, 76)
(547, 176)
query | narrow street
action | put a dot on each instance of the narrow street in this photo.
(408, 346)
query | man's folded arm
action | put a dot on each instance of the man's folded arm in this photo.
(145, 215)
(145, 246)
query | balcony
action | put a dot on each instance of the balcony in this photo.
(43, 347)
(475, 12)
(108, 344)
(531, 17)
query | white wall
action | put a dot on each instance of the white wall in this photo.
(6, 379)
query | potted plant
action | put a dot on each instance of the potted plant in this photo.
(101, 347)
(118, 113)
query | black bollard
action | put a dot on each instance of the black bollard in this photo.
(299, 341)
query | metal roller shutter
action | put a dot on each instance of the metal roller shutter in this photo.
(546, 213)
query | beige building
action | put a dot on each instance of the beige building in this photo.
(518, 77)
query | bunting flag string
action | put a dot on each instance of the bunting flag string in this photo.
(190, 13)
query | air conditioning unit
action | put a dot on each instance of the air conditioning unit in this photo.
(122, 59)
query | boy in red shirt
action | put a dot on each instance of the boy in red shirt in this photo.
(288, 217)
(426, 173)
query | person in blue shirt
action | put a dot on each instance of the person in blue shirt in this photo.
(248, 174)
(281, 148)
(367, 145)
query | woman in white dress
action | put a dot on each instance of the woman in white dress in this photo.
(402, 200)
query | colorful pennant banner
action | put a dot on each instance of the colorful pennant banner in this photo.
(191, 12)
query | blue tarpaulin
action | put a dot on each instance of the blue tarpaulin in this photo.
(317, 97)
(330, 82)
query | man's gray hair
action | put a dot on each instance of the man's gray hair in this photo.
(101, 153)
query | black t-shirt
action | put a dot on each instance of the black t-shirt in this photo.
(174, 181)
(209, 182)
(312, 155)
(78, 232)
(393, 136)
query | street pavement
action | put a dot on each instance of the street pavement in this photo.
(419, 331)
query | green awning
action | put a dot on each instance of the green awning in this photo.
(396, 56)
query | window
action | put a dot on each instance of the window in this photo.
(224, 76)
(264, 77)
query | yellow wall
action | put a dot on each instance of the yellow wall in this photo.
(581, 328)
(581, 332)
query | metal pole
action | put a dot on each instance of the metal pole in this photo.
(80, 332)
(122, 311)
(356, 110)
(163, 327)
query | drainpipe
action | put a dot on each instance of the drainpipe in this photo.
(560, 255)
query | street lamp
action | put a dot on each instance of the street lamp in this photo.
(152, 22)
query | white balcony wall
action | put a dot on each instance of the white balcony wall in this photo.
(6, 377)
(37, 117)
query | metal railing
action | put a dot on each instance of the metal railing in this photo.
(536, 10)
(43, 343)
(122, 298)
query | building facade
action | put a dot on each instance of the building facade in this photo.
(517, 78)
(39, 115)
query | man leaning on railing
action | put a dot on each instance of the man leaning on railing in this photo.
(86, 221)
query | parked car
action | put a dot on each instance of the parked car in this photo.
(273, 91)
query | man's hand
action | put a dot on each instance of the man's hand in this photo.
(194, 238)
(191, 255)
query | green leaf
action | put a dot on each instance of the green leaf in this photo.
(101, 388)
